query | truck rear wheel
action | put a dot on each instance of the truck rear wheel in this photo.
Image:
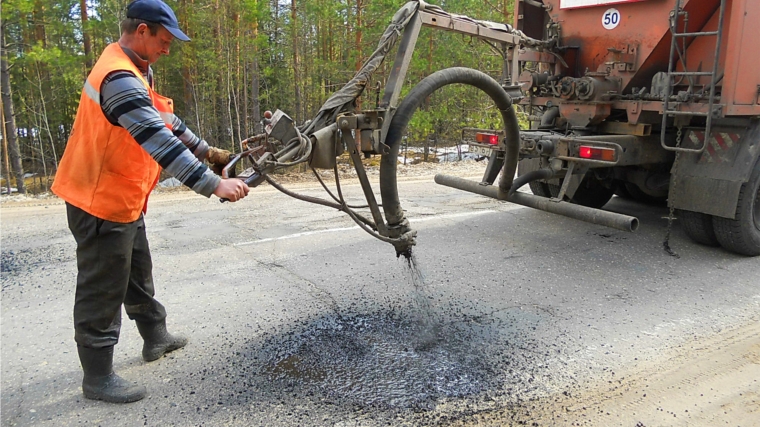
(622, 191)
(742, 234)
(699, 228)
(540, 189)
(640, 196)
(593, 193)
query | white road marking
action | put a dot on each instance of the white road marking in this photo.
(356, 227)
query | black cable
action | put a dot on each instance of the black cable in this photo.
(337, 183)
(363, 223)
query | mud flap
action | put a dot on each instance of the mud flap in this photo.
(710, 182)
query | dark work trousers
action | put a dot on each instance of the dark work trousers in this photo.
(115, 268)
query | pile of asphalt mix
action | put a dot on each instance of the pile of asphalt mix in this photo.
(393, 363)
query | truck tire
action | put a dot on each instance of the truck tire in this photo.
(742, 234)
(699, 228)
(592, 193)
(539, 189)
(622, 192)
(638, 195)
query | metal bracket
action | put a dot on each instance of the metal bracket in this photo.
(622, 59)
(398, 73)
(366, 187)
(572, 180)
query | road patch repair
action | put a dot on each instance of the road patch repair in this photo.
(425, 357)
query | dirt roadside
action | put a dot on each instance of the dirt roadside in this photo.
(707, 383)
(703, 383)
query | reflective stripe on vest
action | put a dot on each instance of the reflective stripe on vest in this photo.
(104, 171)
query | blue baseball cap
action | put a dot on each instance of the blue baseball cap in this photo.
(158, 12)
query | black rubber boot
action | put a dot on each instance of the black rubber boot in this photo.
(101, 383)
(158, 341)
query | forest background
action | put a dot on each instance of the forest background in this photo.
(246, 56)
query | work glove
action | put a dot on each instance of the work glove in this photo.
(218, 159)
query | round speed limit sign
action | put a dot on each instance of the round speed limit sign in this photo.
(611, 19)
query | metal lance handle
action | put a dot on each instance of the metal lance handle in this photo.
(255, 179)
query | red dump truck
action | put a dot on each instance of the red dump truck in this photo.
(649, 99)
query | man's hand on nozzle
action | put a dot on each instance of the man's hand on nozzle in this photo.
(231, 189)
(218, 159)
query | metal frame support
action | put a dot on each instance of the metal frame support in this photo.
(366, 186)
(573, 178)
(398, 73)
(495, 163)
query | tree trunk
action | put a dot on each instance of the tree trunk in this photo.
(255, 94)
(86, 38)
(429, 67)
(235, 85)
(43, 184)
(359, 55)
(6, 162)
(44, 88)
(221, 95)
(39, 23)
(9, 120)
(255, 118)
(187, 83)
(296, 61)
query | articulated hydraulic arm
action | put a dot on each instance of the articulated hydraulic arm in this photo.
(338, 126)
(284, 145)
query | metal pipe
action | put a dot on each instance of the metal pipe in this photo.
(582, 213)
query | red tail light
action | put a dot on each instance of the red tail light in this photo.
(596, 153)
(487, 138)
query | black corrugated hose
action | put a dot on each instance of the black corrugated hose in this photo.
(388, 184)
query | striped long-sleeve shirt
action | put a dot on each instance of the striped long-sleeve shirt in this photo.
(126, 103)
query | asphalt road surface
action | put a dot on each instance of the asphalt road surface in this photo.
(506, 316)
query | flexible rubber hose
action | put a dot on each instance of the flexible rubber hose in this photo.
(530, 177)
(548, 118)
(388, 182)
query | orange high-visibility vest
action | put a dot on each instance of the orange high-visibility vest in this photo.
(104, 171)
